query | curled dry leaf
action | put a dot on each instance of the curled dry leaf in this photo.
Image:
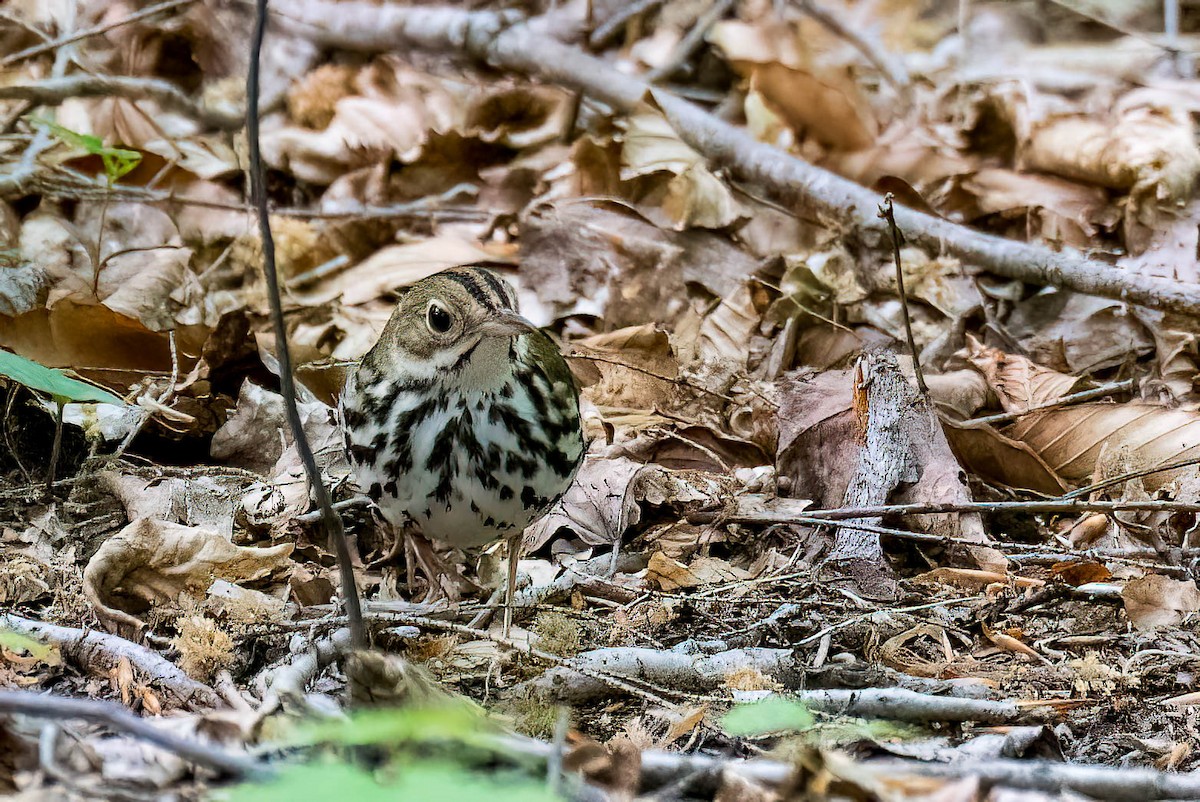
(1063, 211)
(636, 366)
(151, 563)
(1150, 152)
(671, 575)
(1077, 334)
(1000, 459)
(829, 107)
(1157, 601)
(1018, 382)
(255, 436)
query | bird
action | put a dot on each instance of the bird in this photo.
(462, 422)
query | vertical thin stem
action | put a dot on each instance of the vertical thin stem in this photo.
(332, 524)
(887, 212)
(54, 449)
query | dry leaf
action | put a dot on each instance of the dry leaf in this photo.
(695, 197)
(1018, 382)
(151, 563)
(1157, 601)
(598, 507)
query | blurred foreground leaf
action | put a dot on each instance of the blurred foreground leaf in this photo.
(61, 387)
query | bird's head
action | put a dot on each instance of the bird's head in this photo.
(457, 321)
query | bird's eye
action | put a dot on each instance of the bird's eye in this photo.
(437, 318)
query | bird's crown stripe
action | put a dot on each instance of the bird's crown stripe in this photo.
(502, 289)
(469, 281)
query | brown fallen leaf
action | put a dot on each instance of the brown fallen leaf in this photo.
(1072, 440)
(1158, 601)
(598, 507)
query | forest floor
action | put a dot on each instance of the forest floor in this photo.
(797, 563)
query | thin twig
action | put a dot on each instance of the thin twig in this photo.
(690, 43)
(888, 213)
(9, 400)
(56, 447)
(766, 509)
(1125, 477)
(332, 524)
(1015, 550)
(53, 91)
(607, 30)
(1083, 395)
(54, 44)
(57, 708)
(889, 67)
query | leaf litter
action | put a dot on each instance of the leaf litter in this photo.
(732, 353)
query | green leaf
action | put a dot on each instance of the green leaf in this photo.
(417, 781)
(769, 715)
(451, 722)
(51, 381)
(117, 161)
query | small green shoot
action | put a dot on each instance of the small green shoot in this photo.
(14, 641)
(117, 162)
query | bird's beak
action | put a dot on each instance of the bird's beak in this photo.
(507, 324)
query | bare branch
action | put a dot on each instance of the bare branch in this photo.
(55, 90)
(57, 708)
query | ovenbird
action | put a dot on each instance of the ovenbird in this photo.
(462, 422)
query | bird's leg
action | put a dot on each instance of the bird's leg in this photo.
(510, 589)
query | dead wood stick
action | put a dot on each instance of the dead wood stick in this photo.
(97, 652)
(1101, 782)
(498, 39)
(52, 91)
(768, 509)
(57, 708)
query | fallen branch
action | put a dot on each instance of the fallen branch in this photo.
(501, 40)
(283, 686)
(898, 704)
(670, 669)
(768, 509)
(96, 653)
(575, 680)
(1103, 782)
(57, 708)
(53, 91)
